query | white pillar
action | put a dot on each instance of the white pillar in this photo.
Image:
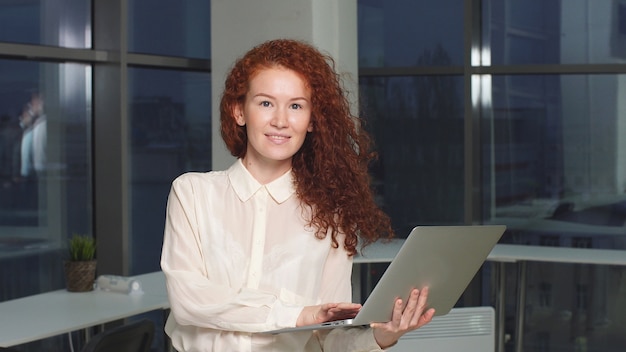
(239, 25)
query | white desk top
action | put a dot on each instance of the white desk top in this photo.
(379, 252)
(511, 252)
(385, 252)
(53, 313)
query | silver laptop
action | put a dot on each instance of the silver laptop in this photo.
(444, 258)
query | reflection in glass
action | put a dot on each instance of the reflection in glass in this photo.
(170, 133)
(554, 167)
(62, 23)
(554, 151)
(554, 31)
(45, 171)
(171, 28)
(417, 123)
(403, 33)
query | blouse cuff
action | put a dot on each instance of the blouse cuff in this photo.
(284, 316)
(371, 341)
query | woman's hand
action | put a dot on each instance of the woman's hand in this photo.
(412, 317)
(327, 312)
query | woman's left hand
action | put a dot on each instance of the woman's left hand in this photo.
(413, 316)
(327, 312)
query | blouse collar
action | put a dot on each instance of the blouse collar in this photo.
(245, 185)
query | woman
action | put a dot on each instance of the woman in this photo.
(269, 242)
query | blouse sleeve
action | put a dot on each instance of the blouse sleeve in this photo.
(197, 301)
(337, 287)
(358, 339)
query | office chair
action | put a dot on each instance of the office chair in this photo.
(132, 337)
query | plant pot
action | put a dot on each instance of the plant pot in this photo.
(80, 275)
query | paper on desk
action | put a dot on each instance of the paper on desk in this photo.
(119, 284)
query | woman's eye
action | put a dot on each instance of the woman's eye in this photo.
(265, 103)
(296, 106)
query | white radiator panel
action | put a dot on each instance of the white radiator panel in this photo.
(467, 329)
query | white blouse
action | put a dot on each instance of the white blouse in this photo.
(239, 259)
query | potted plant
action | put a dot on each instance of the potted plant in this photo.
(80, 268)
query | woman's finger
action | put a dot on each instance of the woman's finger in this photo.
(411, 306)
(420, 306)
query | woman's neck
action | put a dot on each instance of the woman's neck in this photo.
(266, 172)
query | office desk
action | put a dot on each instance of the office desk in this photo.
(53, 313)
(501, 254)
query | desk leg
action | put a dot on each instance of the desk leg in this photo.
(366, 279)
(521, 307)
(500, 305)
(356, 283)
(88, 333)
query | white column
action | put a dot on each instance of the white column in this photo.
(238, 25)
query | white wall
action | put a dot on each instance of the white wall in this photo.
(238, 25)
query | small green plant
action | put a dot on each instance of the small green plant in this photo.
(82, 248)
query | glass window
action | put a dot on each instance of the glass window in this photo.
(407, 33)
(170, 133)
(63, 23)
(417, 123)
(554, 171)
(554, 31)
(580, 310)
(171, 28)
(555, 160)
(45, 166)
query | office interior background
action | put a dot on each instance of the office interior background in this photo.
(483, 111)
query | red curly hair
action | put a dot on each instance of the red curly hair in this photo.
(331, 168)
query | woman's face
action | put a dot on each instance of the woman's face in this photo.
(277, 116)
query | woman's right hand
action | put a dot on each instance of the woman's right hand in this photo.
(327, 312)
(404, 318)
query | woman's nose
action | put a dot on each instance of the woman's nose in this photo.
(280, 119)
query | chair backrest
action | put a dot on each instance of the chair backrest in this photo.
(132, 337)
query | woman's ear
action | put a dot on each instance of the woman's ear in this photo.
(238, 115)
